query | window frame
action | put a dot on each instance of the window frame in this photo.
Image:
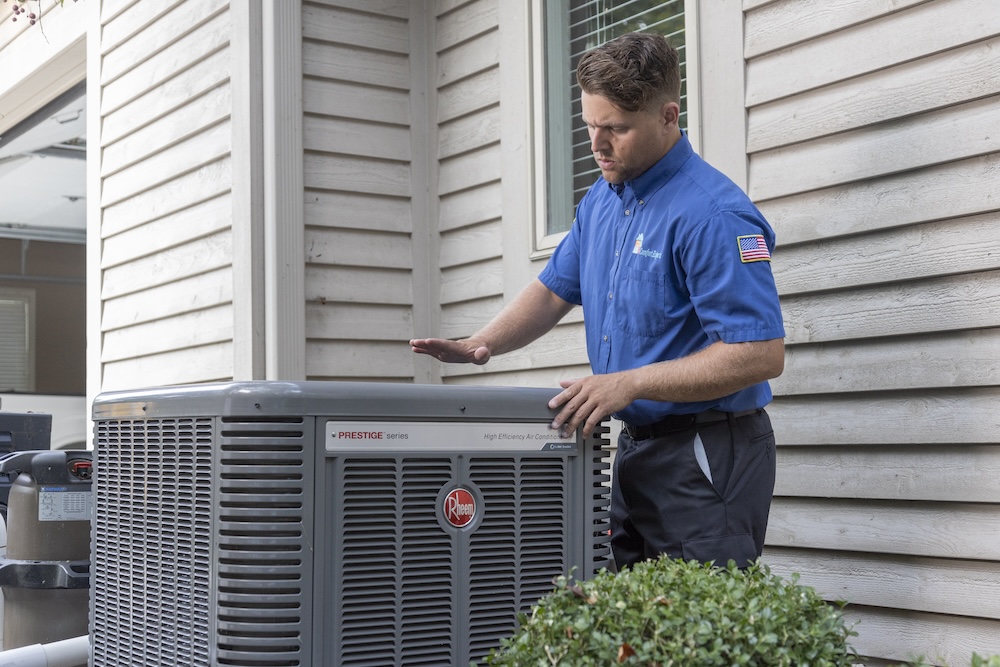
(544, 38)
(26, 297)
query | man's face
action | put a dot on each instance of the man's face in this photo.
(627, 143)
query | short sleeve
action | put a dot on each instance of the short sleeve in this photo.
(727, 269)
(562, 273)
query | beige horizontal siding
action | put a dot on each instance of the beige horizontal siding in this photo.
(954, 133)
(873, 152)
(343, 321)
(883, 470)
(942, 416)
(169, 265)
(184, 330)
(936, 81)
(188, 189)
(930, 193)
(460, 22)
(375, 26)
(204, 290)
(913, 583)
(325, 284)
(200, 220)
(170, 130)
(780, 24)
(912, 252)
(359, 178)
(469, 207)
(865, 47)
(351, 210)
(904, 636)
(208, 363)
(166, 312)
(956, 358)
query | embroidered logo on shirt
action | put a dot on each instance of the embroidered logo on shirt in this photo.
(753, 248)
(637, 249)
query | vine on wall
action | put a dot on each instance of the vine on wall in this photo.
(22, 9)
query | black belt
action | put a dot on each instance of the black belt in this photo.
(675, 423)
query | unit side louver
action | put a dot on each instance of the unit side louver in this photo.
(599, 481)
(152, 542)
(262, 557)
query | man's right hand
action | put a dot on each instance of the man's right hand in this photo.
(452, 351)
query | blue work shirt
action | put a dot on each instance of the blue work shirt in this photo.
(665, 265)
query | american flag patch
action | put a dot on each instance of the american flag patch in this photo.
(753, 248)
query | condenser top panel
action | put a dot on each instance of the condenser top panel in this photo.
(329, 399)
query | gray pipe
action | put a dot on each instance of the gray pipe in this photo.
(64, 653)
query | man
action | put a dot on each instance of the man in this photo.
(671, 263)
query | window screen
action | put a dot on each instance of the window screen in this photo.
(16, 360)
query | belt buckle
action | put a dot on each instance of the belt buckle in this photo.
(633, 431)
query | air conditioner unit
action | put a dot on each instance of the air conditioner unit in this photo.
(267, 524)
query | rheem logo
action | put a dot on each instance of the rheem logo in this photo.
(459, 508)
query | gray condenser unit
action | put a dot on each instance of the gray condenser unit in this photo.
(267, 524)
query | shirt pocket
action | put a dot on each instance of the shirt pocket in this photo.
(639, 308)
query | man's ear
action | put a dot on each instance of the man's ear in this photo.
(670, 112)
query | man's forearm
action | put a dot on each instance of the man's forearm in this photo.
(716, 371)
(531, 314)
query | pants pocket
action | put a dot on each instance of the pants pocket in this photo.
(721, 549)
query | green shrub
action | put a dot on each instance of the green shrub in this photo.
(668, 612)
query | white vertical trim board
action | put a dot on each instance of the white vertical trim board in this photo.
(692, 42)
(520, 141)
(719, 84)
(246, 63)
(95, 336)
(424, 204)
(284, 262)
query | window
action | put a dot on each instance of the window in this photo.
(571, 28)
(17, 363)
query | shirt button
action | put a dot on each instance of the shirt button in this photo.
(627, 212)
(641, 202)
(611, 295)
(605, 339)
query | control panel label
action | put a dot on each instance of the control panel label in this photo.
(444, 436)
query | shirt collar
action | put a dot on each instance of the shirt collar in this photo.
(648, 181)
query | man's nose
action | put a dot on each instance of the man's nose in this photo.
(598, 140)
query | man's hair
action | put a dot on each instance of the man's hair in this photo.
(634, 72)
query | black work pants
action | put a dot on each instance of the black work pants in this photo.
(706, 502)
